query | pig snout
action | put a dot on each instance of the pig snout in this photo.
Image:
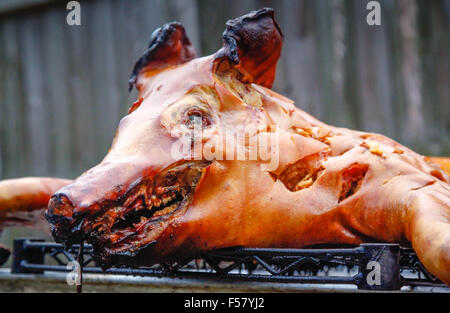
(60, 215)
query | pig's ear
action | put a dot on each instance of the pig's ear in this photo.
(168, 46)
(252, 44)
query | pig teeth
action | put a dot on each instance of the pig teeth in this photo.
(156, 202)
(119, 209)
(170, 197)
(164, 195)
(165, 199)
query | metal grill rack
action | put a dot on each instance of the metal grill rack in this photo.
(395, 266)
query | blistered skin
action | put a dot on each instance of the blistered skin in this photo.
(145, 204)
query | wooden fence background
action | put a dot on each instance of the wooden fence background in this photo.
(63, 88)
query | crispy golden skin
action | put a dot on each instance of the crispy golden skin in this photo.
(22, 195)
(23, 202)
(444, 163)
(28, 194)
(143, 204)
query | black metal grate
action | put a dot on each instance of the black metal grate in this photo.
(397, 266)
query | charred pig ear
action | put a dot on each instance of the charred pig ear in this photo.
(252, 43)
(169, 45)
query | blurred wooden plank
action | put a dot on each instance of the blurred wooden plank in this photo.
(394, 51)
(105, 94)
(351, 92)
(56, 83)
(144, 17)
(212, 18)
(147, 16)
(324, 47)
(2, 103)
(413, 131)
(339, 111)
(36, 115)
(299, 55)
(10, 6)
(383, 75)
(16, 148)
(81, 87)
(433, 29)
(375, 109)
(124, 29)
(441, 49)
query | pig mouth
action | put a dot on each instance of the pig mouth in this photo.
(122, 228)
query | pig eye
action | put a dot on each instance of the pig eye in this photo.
(197, 117)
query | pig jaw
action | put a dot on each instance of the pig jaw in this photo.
(120, 228)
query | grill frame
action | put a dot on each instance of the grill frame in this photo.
(251, 265)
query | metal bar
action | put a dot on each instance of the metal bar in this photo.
(201, 274)
(231, 251)
(260, 264)
(52, 245)
(421, 282)
(289, 252)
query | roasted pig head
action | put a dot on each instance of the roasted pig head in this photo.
(209, 157)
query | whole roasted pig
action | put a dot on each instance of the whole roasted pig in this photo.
(209, 157)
